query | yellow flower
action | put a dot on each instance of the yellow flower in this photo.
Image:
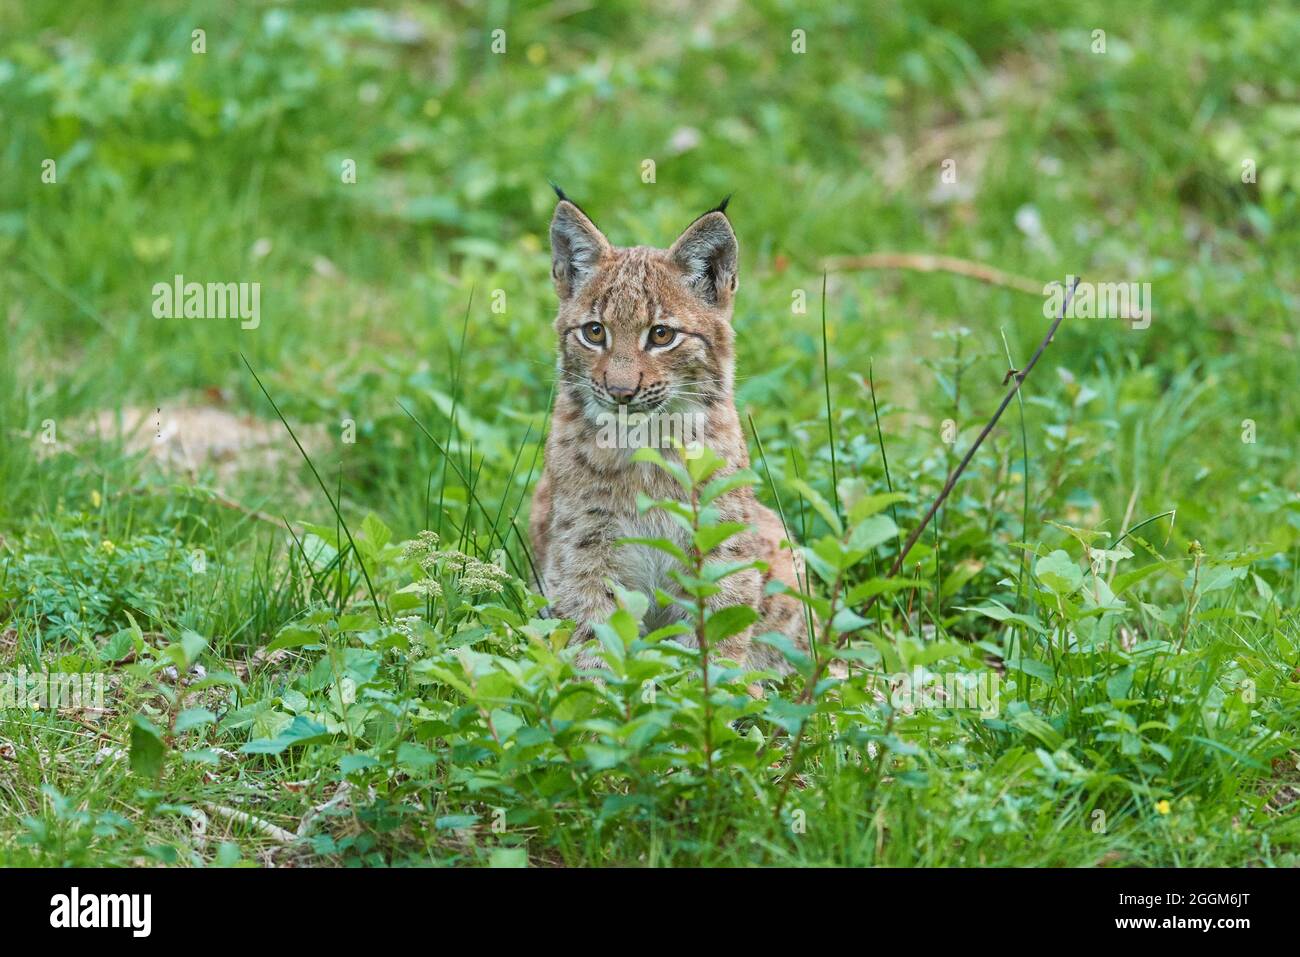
(108, 546)
(95, 500)
(1162, 807)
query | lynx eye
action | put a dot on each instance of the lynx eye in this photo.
(662, 336)
(594, 333)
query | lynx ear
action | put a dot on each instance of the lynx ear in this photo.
(576, 247)
(706, 253)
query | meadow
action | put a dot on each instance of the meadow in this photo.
(226, 521)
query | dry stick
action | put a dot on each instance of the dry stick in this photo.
(1016, 380)
(928, 262)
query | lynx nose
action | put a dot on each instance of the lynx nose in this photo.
(622, 394)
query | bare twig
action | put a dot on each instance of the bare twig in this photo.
(256, 823)
(929, 262)
(1017, 378)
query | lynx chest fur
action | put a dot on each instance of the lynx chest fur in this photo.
(646, 357)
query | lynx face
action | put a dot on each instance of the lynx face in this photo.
(648, 329)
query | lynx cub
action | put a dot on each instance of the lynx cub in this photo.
(647, 331)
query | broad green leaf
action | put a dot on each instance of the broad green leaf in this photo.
(192, 718)
(185, 652)
(118, 646)
(788, 715)
(871, 532)
(819, 503)
(455, 822)
(1127, 580)
(710, 537)
(658, 544)
(375, 532)
(1215, 578)
(1031, 666)
(352, 763)
(999, 612)
(725, 622)
(723, 484)
(147, 748)
(508, 857)
(294, 636)
(1059, 572)
(869, 505)
(415, 757)
(301, 731)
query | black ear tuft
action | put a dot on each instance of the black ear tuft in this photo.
(722, 206)
(576, 246)
(560, 193)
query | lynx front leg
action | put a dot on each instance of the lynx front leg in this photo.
(578, 588)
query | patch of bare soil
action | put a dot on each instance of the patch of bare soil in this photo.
(198, 437)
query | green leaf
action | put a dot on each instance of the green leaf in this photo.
(728, 621)
(860, 592)
(711, 536)
(1215, 577)
(118, 646)
(660, 545)
(415, 757)
(1118, 684)
(799, 659)
(788, 715)
(869, 505)
(185, 652)
(192, 718)
(1085, 536)
(822, 507)
(847, 620)
(301, 731)
(147, 748)
(375, 532)
(1059, 572)
(702, 462)
(269, 722)
(453, 822)
(999, 612)
(508, 857)
(352, 763)
(674, 469)
(1038, 727)
(725, 483)
(294, 636)
(871, 532)
(1032, 667)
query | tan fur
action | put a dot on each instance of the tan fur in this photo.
(587, 497)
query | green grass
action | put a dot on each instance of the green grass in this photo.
(379, 295)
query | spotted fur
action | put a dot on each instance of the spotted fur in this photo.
(587, 498)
